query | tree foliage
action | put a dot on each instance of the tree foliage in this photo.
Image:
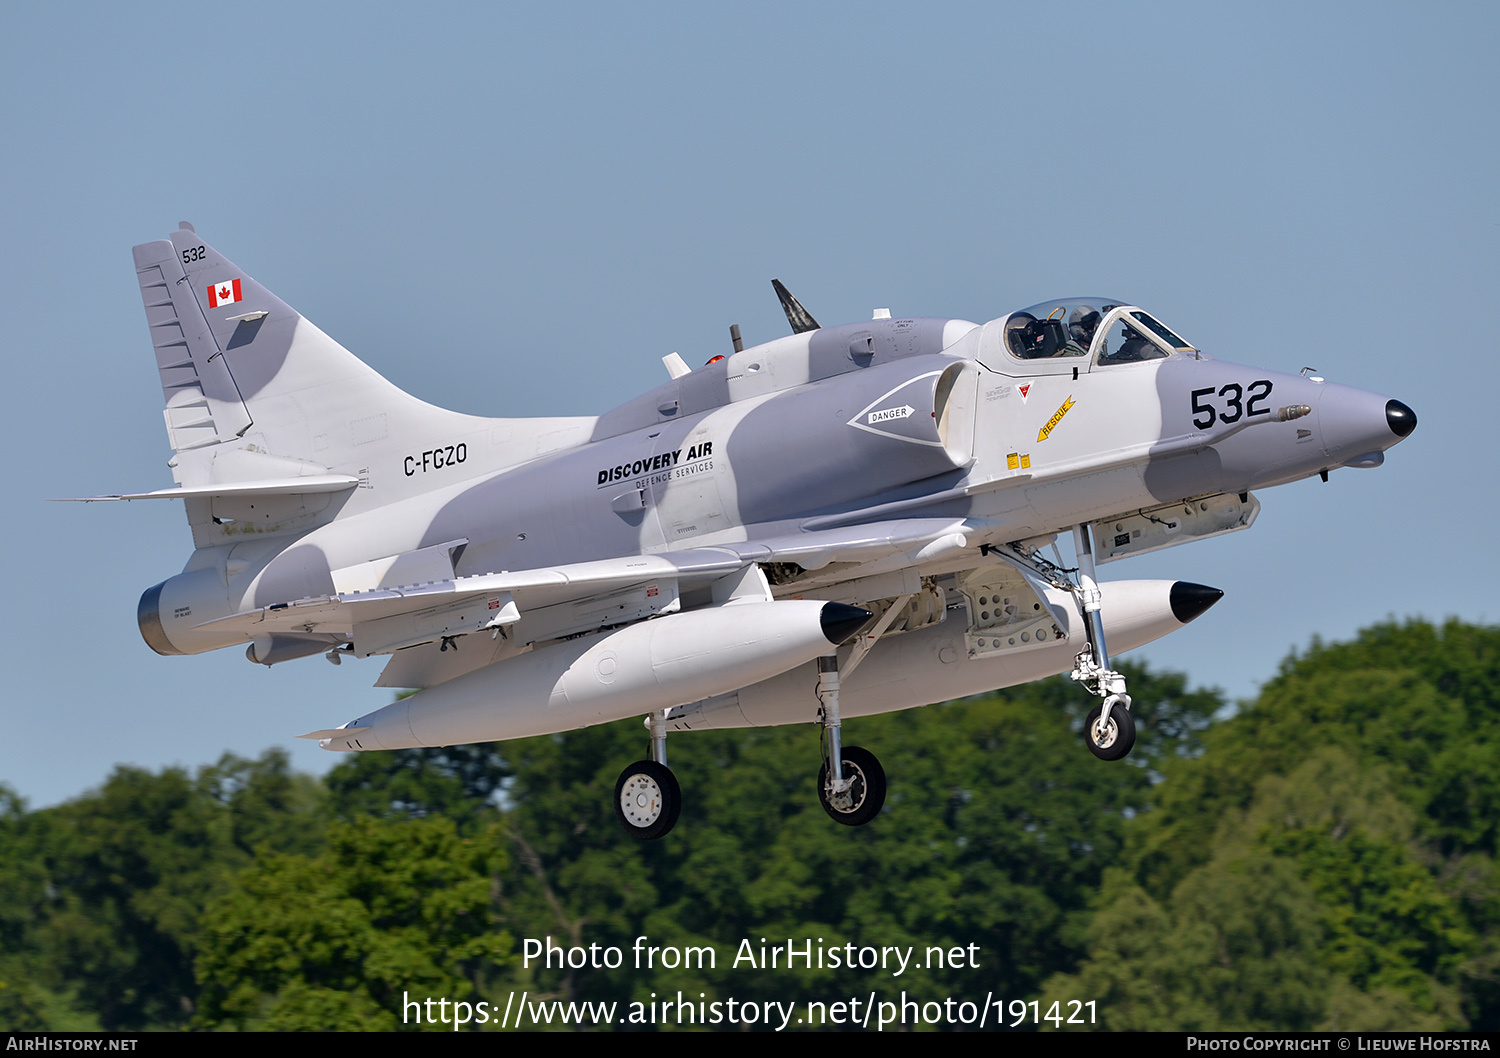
(1363, 774)
(104, 894)
(335, 941)
(1324, 858)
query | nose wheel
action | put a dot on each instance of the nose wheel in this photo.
(1112, 739)
(647, 800)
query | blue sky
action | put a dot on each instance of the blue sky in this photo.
(517, 210)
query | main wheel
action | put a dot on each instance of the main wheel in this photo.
(866, 794)
(1118, 736)
(647, 799)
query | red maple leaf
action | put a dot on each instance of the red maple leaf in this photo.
(224, 293)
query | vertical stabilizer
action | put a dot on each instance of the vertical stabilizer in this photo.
(203, 403)
(255, 393)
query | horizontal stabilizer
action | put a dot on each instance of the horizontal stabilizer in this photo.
(310, 485)
(334, 732)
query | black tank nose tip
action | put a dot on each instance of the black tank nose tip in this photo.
(1402, 419)
(839, 621)
(1189, 599)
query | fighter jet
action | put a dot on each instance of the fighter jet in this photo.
(845, 521)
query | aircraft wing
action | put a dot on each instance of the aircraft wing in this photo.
(413, 599)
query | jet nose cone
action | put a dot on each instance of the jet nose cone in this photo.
(1401, 419)
(840, 621)
(1356, 424)
(1189, 599)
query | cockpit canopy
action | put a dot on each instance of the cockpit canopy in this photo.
(1107, 330)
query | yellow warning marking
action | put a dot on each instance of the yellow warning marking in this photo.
(1026, 462)
(1012, 461)
(1056, 418)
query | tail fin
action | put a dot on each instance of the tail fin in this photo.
(255, 390)
(237, 362)
(204, 405)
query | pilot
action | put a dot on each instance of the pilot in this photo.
(1138, 347)
(1083, 321)
(1135, 347)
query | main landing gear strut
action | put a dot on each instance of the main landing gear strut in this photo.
(647, 797)
(851, 783)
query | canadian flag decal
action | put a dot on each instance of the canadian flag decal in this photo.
(224, 293)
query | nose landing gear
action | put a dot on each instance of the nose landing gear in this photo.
(1110, 729)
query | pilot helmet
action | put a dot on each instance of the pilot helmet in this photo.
(1083, 321)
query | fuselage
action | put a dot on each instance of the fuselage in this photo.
(925, 417)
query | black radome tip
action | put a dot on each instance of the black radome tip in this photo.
(841, 621)
(1402, 419)
(1189, 599)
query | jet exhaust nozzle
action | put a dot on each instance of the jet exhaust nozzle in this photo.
(148, 617)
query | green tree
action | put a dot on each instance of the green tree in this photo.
(104, 893)
(390, 911)
(1364, 775)
(460, 783)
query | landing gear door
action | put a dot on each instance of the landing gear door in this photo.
(1175, 523)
